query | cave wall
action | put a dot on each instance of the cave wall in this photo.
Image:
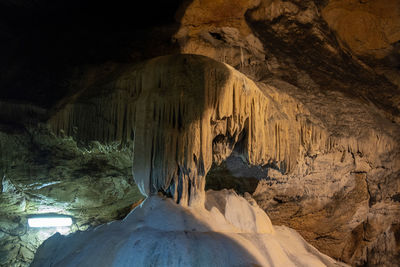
(296, 47)
(344, 77)
(42, 173)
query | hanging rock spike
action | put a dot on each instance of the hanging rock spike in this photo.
(183, 112)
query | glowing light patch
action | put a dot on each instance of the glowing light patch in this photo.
(49, 221)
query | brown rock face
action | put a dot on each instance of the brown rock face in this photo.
(336, 197)
(369, 28)
(335, 211)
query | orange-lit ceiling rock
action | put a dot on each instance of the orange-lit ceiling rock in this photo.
(219, 13)
(368, 27)
(218, 29)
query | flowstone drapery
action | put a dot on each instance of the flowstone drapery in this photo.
(184, 112)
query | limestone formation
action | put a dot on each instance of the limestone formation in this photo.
(160, 232)
(323, 154)
(337, 82)
(200, 111)
(184, 112)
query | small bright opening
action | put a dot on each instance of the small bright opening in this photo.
(49, 222)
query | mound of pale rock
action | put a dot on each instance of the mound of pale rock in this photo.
(229, 231)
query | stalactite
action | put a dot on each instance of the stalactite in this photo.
(185, 111)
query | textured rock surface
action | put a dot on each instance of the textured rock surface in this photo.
(300, 56)
(336, 205)
(313, 53)
(291, 41)
(369, 28)
(320, 162)
(184, 112)
(42, 173)
(234, 174)
(160, 232)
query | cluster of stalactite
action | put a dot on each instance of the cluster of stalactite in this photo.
(184, 112)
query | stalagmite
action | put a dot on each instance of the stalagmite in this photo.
(228, 231)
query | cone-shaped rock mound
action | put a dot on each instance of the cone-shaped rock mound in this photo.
(228, 232)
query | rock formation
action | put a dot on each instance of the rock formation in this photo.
(160, 232)
(260, 123)
(183, 112)
(337, 81)
(318, 134)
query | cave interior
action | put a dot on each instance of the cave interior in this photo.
(200, 132)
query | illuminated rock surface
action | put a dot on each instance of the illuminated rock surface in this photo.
(319, 165)
(228, 232)
(43, 173)
(184, 112)
(329, 69)
(369, 28)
